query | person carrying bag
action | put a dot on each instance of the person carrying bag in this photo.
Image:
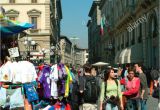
(110, 96)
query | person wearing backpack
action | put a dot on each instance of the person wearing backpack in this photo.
(89, 89)
(110, 95)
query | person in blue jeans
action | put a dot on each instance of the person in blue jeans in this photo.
(133, 104)
(143, 86)
(111, 107)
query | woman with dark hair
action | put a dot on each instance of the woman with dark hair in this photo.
(110, 94)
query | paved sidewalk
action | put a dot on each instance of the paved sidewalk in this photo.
(152, 103)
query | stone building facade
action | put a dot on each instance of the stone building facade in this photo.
(45, 15)
(133, 35)
(94, 41)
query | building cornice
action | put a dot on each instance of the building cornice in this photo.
(94, 5)
(66, 38)
(102, 2)
(24, 4)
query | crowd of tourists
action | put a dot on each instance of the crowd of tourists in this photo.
(126, 91)
(65, 87)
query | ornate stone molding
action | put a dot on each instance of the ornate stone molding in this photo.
(12, 13)
(34, 12)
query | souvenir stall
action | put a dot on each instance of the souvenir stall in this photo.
(23, 88)
(9, 31)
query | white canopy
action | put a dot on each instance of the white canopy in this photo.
(100, 64)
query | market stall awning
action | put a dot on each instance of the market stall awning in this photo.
(121, 56)
(127, 56)
(9, 27)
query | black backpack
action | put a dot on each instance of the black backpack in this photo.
(91, 89)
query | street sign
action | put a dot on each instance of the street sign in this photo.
(13, 52)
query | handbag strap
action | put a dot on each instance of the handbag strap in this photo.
(117, 85)
(106, 87)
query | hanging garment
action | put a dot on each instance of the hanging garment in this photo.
(37, 106)
(54, 79)
(28, 72)
(63, 69)
(67, 107)
(60, 73)
(11, 98)
(58, 106)
(46, 82)
(48, 107)
(54, 72)
(31, 92)
(67, 83)
(6, 72)
(16, 73)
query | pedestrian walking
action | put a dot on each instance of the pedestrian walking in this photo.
(132, 86)
(110, 96)
(143, 87)
(89, 89)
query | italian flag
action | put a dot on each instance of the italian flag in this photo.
(101, 30)
(103, 20)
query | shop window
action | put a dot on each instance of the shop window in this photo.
(11, 1)
(34, 1)
(34, 21)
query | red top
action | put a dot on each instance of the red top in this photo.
(132, 87)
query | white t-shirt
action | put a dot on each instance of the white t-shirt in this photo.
(54, 79)
(27, 71)
(16, 73)
(6, 72)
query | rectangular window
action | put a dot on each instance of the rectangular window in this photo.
(34, 1)
(140, 34)
(34, 21)
(11, 1)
